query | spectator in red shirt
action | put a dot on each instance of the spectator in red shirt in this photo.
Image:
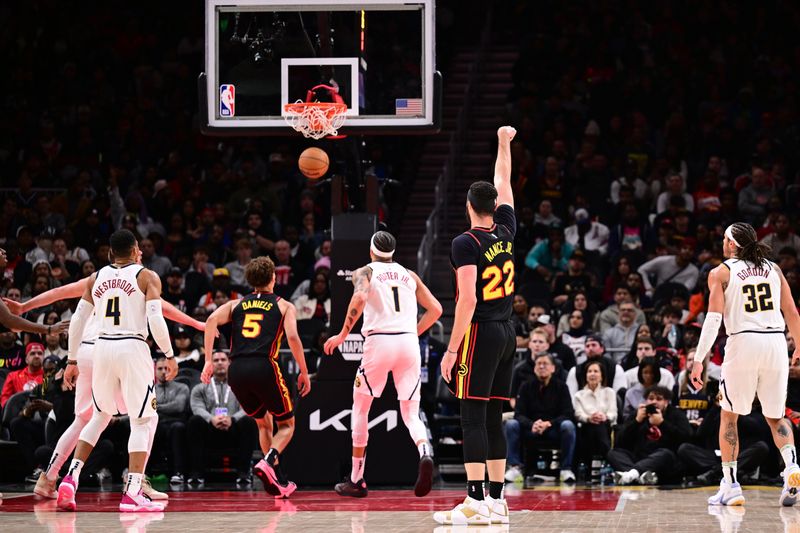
(28, 377)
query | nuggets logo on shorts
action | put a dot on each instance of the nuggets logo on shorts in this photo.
(358, 382)
(462, 369)
(154, 403)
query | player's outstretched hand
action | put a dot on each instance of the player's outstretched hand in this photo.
(303, 384)
(446, 365)
(332, 343)
(14, 307)
(61, 327)
(696, 379)
(208, 371)
(71, 376)
(506, 133)
(796, 356)
(172, 368)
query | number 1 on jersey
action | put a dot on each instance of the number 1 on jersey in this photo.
(396, 293)
(112, 310)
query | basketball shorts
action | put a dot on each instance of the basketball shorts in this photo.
(395, 353)
(485, 361)
(257, 382)
(83, 386)
(123, 367)
(755, 364)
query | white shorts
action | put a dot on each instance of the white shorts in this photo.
(124, 367)
(755, 364)
(398, 354)
(83, 386)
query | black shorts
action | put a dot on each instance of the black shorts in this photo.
(257, 382)
(485, 362)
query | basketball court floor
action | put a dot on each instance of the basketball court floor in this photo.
(548, 509)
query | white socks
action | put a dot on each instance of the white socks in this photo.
(789, 454)
(134, 484)
(729, 471)
(424, 448)
(75, 469)
(357, 473)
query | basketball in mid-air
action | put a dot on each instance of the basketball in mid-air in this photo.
(313, 163)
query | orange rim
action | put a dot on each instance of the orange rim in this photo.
(300, 107)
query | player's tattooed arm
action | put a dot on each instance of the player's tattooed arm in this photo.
(361, 280)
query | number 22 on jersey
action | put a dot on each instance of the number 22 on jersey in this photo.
(496, 286)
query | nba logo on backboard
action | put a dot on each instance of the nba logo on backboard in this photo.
(227, 100)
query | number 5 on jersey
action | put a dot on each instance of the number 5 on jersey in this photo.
(251, 327)
(493, 289)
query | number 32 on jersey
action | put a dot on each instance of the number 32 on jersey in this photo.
(500, 281)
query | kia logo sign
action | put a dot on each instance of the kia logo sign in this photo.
(336, 421)
(353, 347)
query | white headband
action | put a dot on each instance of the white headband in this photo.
(729, 235)
(379, 253)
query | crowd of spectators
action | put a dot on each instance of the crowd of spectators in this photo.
(643, 131)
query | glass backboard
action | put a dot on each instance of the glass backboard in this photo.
(379, 55)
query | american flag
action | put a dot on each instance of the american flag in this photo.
(409, 107)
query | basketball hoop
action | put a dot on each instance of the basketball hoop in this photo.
(315, 120)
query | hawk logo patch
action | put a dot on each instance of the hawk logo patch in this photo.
(462, 369)
(358, 382)
(154, 403)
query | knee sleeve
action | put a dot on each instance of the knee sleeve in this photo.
(473, 426)
(359, 419)
(496, 436)
(96, 426)
(409, 410)
(140, 434)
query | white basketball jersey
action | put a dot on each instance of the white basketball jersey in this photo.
(119, 303)
(752, 298)
(392, 300)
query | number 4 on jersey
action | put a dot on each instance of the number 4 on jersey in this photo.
(492, 290)
(112, 310)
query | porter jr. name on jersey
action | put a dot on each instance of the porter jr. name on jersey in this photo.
(392, 276)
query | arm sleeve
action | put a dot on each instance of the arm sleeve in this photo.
(158, 327)
(504, 216)
(465, 250)
(83, 313)
(708, 335)
(199, 404)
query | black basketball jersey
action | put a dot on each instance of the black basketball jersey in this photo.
(492, 251)
(257, 325)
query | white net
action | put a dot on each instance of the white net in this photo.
(315, 120)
